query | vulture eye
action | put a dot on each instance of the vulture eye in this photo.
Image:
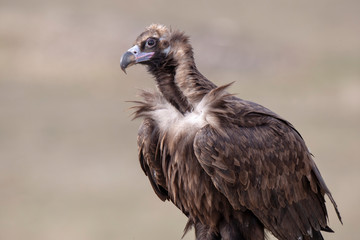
(150, 42)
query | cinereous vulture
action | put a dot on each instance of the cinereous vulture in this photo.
(233, 167)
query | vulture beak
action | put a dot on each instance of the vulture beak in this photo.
(133, 56)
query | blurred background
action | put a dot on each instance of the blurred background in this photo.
(68, 157)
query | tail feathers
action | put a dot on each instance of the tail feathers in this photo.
(188, 227)
(327, 229)
(317, 236)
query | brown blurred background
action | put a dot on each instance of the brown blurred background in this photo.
(68, 157)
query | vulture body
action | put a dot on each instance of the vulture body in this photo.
(233, 167)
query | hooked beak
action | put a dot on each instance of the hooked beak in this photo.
(133, 56)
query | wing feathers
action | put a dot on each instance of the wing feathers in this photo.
(270, 170)
(150, 159)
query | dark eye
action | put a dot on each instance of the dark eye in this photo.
(150, 42)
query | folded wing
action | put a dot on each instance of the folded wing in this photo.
(266, 167)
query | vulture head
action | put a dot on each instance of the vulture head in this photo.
(158, 48)
(169, 58)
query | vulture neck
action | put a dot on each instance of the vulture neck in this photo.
(182, 84)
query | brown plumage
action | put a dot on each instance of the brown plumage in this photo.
(233, 167)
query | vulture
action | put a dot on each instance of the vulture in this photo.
(232, 166)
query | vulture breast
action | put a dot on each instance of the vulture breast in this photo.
(174, 124)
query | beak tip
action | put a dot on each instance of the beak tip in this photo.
(127, 60)
(123, 68)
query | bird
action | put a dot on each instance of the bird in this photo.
(232, 166)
